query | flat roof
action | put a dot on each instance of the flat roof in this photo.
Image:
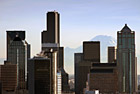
(104, 64)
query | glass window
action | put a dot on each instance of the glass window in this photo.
(123, 42)
(129, 42)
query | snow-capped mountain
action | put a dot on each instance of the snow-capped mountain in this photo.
(105, 41)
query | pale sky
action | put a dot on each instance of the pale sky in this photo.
(79, 20)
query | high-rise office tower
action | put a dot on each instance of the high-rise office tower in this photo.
(51, 40)
(61, 58)
(48, 59)
(8, 76)
(65, 80)
(39, 76)
(83, 63)
(78, 57)
(11, 36)
(111, 54)
(18, 52)
(51, 36)
(127, 66)
(103, 77)
(91, 50)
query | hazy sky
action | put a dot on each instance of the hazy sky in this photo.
(79, 20)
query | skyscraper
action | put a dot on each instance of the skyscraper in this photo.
(51, 36)
(91, 50)
(83, 63)
(111, 54)
(39, 76)
(18, 52)
(127, 66)
(11, 36)
(103, 77)
(51, 40)
(8, 76)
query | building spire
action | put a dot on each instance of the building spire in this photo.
(126, 29)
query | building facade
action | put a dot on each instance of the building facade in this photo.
(8, 77)
(51, 40)
(51, 36)
(11, 36)
(83, 63)
(111, 54)
(91, 50)
(39, 76)
(103, 77)
(126, 61)
(18, 52)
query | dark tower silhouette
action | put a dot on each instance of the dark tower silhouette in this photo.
(111, 54)
(11, 35)
(51, 40)
(52, 33)
(18, 52)
(127, 65)
(83, 63)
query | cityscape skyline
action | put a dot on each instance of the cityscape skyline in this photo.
(85, 47)
(81, 22)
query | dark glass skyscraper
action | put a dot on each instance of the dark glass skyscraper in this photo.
(127, 66)
(111, 54)
(39, 75)
(50, 38)
(11, 36)
(18, 52)
(83, 63)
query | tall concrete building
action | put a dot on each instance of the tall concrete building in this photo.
(51, 40)
(8, 77)
(83, 63)
(91, 50)
(127, 65)
(65, 81)
(111, 54)
(11, 36)
(18, 52)
(103, 77)
(51, 36)
(39, 80)
(78, 57)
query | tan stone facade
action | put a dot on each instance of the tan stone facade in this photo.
(103, 78)
(111, 54)
(8, 77)
(91, 50)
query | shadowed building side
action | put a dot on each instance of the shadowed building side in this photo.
(52, 34)
(111, 54)
(51, 40)
(103, 77)
(91, 50)
(83, 63)
(127, 74)
(18, 52)
(39, 76)
(11, 36)
(8, 77)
